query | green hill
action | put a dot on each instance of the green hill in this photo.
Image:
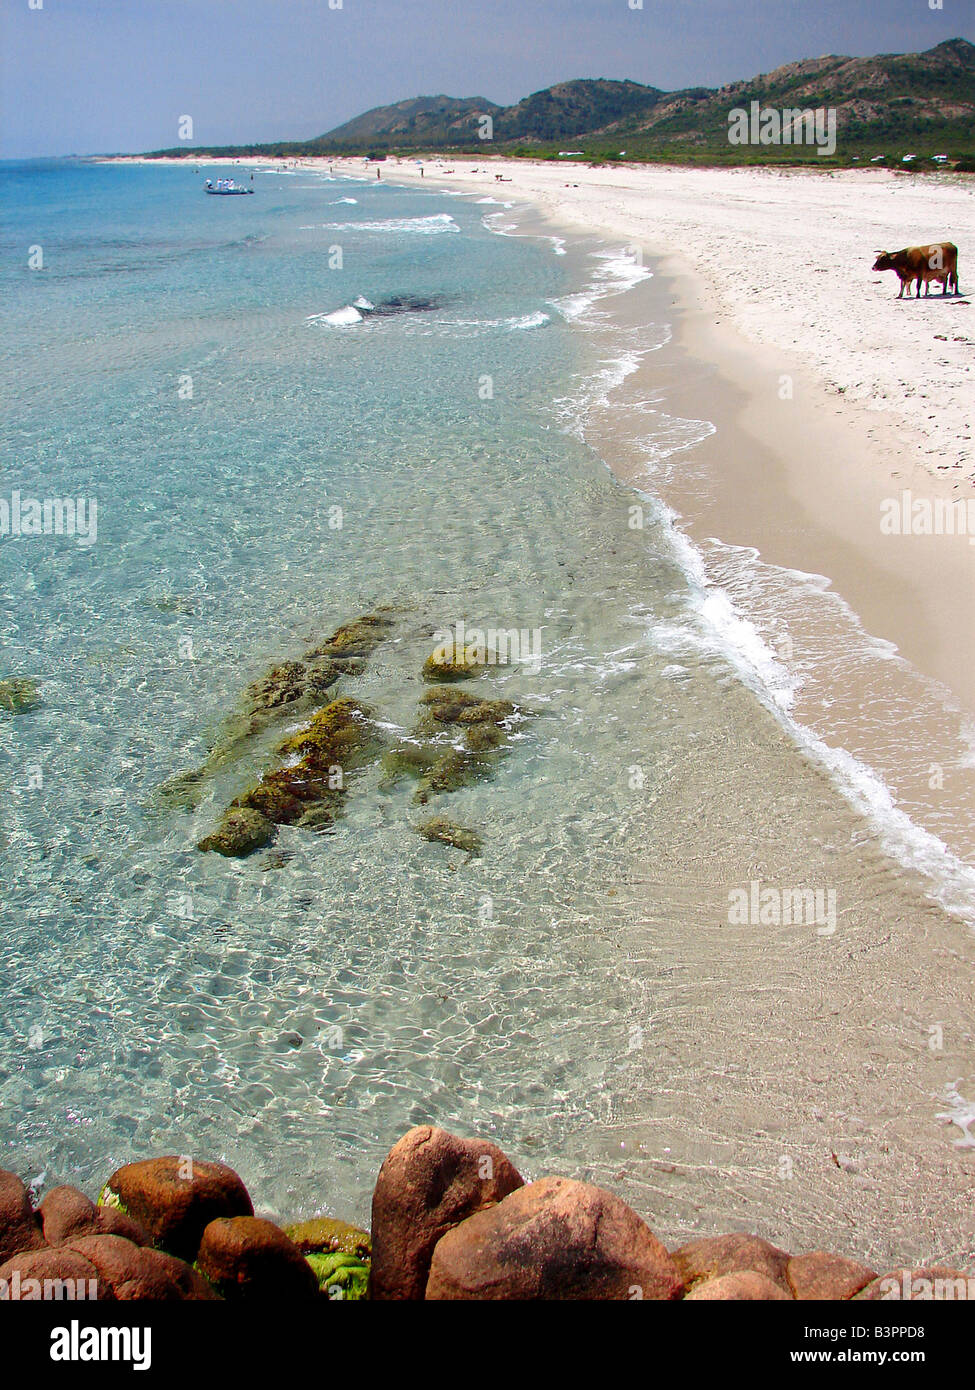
(895, 103)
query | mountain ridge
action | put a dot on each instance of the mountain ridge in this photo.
(926, 99)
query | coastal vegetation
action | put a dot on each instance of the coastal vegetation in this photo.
(889, 105)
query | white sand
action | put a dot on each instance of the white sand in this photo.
(772, 272)
(787, 256)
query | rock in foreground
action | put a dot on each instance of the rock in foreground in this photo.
(246, 1257)
(175, 1199)
(429, 1182)
(555, 1239)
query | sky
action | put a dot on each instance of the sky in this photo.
(108, 76)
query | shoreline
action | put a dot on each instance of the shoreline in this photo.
(710, 1148)
(820, 507)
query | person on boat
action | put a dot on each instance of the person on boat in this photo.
(209, 183)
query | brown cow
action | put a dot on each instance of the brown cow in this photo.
(939, 261)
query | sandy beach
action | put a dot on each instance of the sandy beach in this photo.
(761, 1045)
(856, 397)
(775, 296)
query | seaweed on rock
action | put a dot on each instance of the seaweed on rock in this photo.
(308, 792)
(286, 689)
(19, 695)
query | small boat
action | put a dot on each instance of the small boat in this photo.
(225, 188)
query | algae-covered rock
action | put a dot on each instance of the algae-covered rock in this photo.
(486, 712)
(183, 792)
(281, 797)
(481, 738)
(454, 768)
(319, 817)
(448, 833)
(286, 689)
(452, 666)
(307, 793)
(339, 736)
(340, 1276)
(358, 638)
(408, 758)
(481, 720)
(440, 767)
(445, 705)
(283, 685)
(19, 695)
(325, 1235)
(240, 832)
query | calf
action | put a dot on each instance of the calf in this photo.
(939, 261)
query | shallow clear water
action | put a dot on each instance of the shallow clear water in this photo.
(295, 1011)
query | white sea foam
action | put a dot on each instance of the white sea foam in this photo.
(517, 323)
(616, 272)
(346, 317)
(419, 226)
(717, 625)
(961, 1112)
(344, 200)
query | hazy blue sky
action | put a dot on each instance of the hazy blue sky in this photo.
(87, 76)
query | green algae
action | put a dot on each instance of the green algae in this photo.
(327, 1235)
(19, 695)
(241, 830)
(340, 1276)
(447, 832)
(307, 793)
(458, 667)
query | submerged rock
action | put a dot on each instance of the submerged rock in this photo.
(338, 736)
(286, 689)
(183, 792)
(400, 304)
(358, 638)
(445, 705)
(308, 793)
(455, 666)
(442, 767)
(452, 769)
(19, 695)
(241, 831)
(448, 833)
(482, 721)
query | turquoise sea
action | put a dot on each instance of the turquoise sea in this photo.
(267, 461)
